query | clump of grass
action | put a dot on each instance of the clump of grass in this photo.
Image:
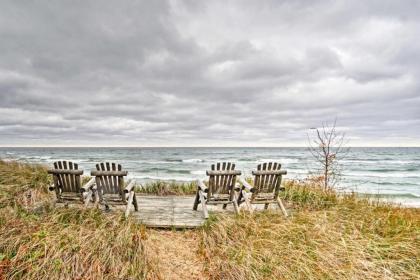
(168, 188)
(23, 174)
(350, 239)
(20, 182)
(63, 243)
(71, 244)
(308, 194)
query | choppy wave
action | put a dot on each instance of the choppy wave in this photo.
(192, 160)
(173, 160)
(388, 194)
(397, 174)
(198, 172)
(402, 195)
(279, 160)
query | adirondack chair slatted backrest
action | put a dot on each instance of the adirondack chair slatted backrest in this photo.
(266, 181)
(223, 181)
(110, 178)
(66, 176)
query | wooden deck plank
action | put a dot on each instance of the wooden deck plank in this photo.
(167, 212)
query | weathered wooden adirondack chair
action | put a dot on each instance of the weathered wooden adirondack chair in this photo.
(266, 187)
(110, 186)
(67, 183)
(220, 189)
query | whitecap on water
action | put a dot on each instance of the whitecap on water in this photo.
(191, 160)
(281, 161)
(396, 174)
(198, 172)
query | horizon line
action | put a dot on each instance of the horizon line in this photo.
(59, 146)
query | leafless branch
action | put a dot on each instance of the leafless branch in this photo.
(327, 147)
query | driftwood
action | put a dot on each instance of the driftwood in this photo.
(266, 187)
(110, 186)
(67, 183)
(220, 189)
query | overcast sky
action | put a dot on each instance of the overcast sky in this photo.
(208, 73)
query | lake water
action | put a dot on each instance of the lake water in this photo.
(392, 173)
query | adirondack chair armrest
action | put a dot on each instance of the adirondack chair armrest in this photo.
(202, 186)
(89, 185)
(246, 185)
(130, 186)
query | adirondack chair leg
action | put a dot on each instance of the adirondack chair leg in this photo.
(94, 196)
(88, 198)
(235, 204)
(130, 201)
(57, 193)
(196, 201)
(203, 204)
(224, 206)
(136, 206)
(96, 200)
(248, 203)
(100, 199)
(240, 198)
(266, 206)
(283, 209)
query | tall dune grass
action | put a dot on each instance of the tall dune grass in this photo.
(330, 237)
(66, 243)
(71, 244)
(21, 183)
(163, 188)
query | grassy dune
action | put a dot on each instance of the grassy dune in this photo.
(350, 239)
(327, 237)
(40, 242)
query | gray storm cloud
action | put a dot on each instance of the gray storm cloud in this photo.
(187, 73)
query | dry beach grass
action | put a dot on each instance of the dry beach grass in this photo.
(40, 242)
(328, 237)
(168, 188)
(350, 240)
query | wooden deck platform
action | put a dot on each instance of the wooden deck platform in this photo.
(168, 212)
(175, 211)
